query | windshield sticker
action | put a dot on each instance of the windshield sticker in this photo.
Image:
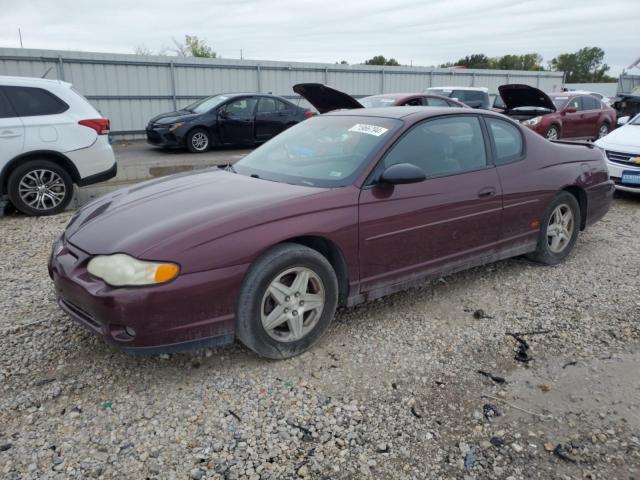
(562, 98)
(368, 129)
(335, 174)
(387, 100)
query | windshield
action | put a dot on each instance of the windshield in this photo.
(376, 101)
(324, 151)
(447, 92)
(635, 121)
(560, 102)
(205, 104)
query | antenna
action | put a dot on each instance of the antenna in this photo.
(20, 35)
(46, 73)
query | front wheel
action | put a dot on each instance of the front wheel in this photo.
(558, 230)
(286, 301)
(552, 133)
(40, 187)
(198, 140)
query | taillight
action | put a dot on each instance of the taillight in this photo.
(308, 113)
(100, 125)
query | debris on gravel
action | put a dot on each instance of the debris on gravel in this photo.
(393, 390)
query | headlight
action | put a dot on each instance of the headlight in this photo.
(175, 126)
(119, 270)
(532, 121)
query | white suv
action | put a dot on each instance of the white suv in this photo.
(50, 138)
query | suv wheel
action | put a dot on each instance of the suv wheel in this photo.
(603, 130)
(40, 187)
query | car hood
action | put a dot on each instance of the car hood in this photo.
(625, 137)
(325, 99)
(179, 211)
(173, 117)
(517, 96)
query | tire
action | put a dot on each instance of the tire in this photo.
(296, 327)
(552, 133)
(198, 140)
(40, 187)
(603, 130)
(545, 252)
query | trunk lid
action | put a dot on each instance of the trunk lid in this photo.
(325, 99)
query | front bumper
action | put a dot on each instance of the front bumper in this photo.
(162, 137)
(192, 311)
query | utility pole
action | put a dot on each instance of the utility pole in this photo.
(20, 35)
(240, 54)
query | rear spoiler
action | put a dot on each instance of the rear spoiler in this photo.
(569, 142)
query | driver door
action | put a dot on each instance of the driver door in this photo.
(236, 121)
(449, 220)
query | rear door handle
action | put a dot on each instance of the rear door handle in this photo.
(9, 134)
(487, 192)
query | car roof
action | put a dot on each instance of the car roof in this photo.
(477, 89)
(31, 81)
(401, 112)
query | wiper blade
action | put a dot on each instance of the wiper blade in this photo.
(229, 168)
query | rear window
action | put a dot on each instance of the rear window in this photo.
(590, 103)
(30, 102)
(559, 102)
(6, 111)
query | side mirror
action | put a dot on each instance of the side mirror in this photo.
(402, 173)
(623, 120)
(570, 110)
(223, 114)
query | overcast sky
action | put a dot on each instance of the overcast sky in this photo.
(425, 32)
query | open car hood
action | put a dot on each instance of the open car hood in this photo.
(516, 95)
(325, 99)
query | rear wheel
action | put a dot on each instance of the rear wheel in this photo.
(558, 231)
(603, 130)
(40, 187)
(286, 302)
(198, 140)
(553, 132)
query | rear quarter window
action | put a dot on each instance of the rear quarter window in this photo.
(507, 140)
(30, 102)
(6, 110)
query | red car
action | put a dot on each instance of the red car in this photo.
(558, 115)
(337, 210)
(326, 99)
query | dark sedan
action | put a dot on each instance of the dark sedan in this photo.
(228, 119)
(340, 209)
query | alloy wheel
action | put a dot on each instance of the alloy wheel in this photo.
(200, 141)
(552, 134)
(603, 131)
(560, 228)
(292, 305)
(42, 189)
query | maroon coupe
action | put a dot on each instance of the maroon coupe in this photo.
(340, 209)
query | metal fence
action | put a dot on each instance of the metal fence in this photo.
(130, 89)
(629, 84)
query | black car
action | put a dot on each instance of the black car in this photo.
(226, 119)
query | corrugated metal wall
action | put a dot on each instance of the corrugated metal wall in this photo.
(629, 84)
(130, 89)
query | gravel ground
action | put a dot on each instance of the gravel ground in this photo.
(393, 391)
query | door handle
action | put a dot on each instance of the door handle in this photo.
(487, 192)
(9, 134)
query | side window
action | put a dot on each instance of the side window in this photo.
(435, 102)
(444, 146)
(507, 139)
(282, 106)
(6, 110)
(241, 108)
(29, 102)
(576, 103)
(266, 105)
(591, 103)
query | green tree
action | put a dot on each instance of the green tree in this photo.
(381, 60)
(193, 47)
(528, 61)
(585, 65)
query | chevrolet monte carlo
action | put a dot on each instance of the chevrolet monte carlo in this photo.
(340, 209)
